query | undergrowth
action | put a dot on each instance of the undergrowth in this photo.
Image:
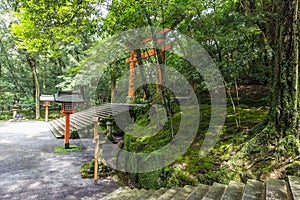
(240, 153)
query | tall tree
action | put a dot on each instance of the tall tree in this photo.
(32, 63)
(279, 25)
(278, 22)
(284, 106)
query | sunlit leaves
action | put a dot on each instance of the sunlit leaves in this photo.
(45, 26)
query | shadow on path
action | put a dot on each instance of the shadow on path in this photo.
(29, 169)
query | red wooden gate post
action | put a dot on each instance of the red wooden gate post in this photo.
(67, 131)
(46, 113)
(131, 87)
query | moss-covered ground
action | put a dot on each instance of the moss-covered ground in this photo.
(61, 149)
(190, 168)
(240, 153)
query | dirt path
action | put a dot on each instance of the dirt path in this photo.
(29, 169)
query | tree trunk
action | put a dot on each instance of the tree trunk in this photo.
(32, 64)
(284, 105)
(113, 88)
(44, 79)
(296, 66)
(143, 76)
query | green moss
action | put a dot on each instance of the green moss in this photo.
(87, 170)
(61, 149)
(220, 176)
(292, 169)
(150, 180)
(189, 168)
(248, 116)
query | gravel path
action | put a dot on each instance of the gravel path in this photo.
(29, 169)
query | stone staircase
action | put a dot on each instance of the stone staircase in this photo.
(271, 189)
(83, 119)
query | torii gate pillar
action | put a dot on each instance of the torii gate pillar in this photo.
(131, 86)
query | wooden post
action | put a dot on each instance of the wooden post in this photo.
(67, 131)
(46, 113)
(96, 138)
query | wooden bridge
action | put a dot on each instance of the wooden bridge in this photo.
(272, 189)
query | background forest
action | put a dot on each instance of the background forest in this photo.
(254, 43)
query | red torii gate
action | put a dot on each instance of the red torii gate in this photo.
(133, 59)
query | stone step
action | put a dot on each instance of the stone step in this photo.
(146, 195)
(116, 193)
(62, 122)
(80, 122)
(79, 118)
(184, 193)
(215, 192)
(234, 191)
(254, 190)
(82, 119)
(103, 115)
(133, 194)
(294, 184)
(199, 192)
(85, 116)
(88, 115)
(272, 189)
(276, 189)
(59, 129)
(169, 194)
(59, 125)
(55, 131)
(158, 193)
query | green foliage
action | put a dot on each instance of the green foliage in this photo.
(86, 171)
(45, 26)
(288, 146)
(6, 96)
(54, 35)
(5, 115)
(175, 176)
(150, 180)
(219, 176)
